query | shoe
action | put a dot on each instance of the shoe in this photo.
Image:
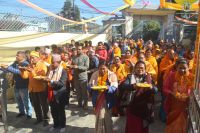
(62, 130)
(20, 115)
(28, 117)
(45, 123)
(52, 129)
(37, 122)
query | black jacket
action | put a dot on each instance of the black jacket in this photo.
(60, 88)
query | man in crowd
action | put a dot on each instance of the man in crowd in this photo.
(101, 52)
(94, 63)
(21, 85)
(80, 64)
(37, 87)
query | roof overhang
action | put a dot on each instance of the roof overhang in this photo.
(152, 12)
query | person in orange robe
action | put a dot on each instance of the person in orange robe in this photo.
(129, 62)
(65, 63)
(37, 87)
(177, 88)
(119, 69)
(189, 55)
(117, 50)
(149, 68)
(46, 58)
(155, 49)
(167, 62)
(152, 60)
(128, 56)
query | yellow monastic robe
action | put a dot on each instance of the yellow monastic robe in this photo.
(68, 70)
(49, 59)
(128, 65)
(150, 70)
(117, 51)
(191, 64)
(166, 63)
(119, 71)
(153, 62)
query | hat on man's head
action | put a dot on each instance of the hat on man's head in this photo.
(56, 57)
(35, 54)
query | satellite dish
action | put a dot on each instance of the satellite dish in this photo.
(182, 2)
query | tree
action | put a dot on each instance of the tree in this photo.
(135, 23)
(77, 14)
(70, 11)
(151, 30)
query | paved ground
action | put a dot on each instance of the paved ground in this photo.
(78, 121)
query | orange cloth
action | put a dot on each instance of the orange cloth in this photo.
(36, 85)
(102, 80)
(177, 116)
(185, 82)
(68, 70)
(117, 51)
(191, 64)
(167, 71)
(166, 63)
(49, 59)
(128, 65)
(139, 44)
(119, 71)
(150, 69)
(134, 59)
(153, 62)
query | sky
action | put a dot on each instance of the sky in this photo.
(55, 6)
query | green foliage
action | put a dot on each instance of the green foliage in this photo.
(69, 11)
(135, 23)
(151, 30)
(77, 14)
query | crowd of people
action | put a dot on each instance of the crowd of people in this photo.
(127, 75)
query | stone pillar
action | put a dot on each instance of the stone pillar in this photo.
(161, 35)
(128, 26)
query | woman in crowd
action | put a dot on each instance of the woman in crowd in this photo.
(177, 88)
(103, 100)
(139, 105)
(118, 68)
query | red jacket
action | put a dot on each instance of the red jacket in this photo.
(102, 54)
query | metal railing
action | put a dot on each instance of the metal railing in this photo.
(14, 22)
(3, 105)
(194, 113)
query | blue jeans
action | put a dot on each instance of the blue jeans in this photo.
(23, 101)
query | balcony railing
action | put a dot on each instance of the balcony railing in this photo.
(194, 113)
